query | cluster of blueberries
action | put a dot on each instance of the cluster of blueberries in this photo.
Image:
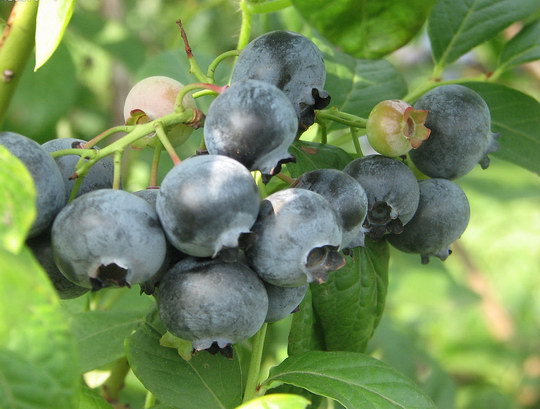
(220, 260)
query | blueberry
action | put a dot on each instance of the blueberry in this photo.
(442, 216)
(282, 301)
(346, 196)
(154, 97)
(100, 175)
(211, 302)
(42, 249)
(205, 203)
(108, 237)
(51, 193)
(461, 136)
(391, 189)
(291, 62)
(297, 237)
(254, 123)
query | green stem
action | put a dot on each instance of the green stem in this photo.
(287, 179)
(179, 103)
(255, 364)
(213, 65)
(257, 175)
(16, 45)
(160, 131)
(117, 169)
(105, 134)
(194, 67)
(150, 400)
(75, 188)
(412, 96)
(85, 153)
(203, 93)
(245, 28)
(115, 383)
(268, 6)
(152, 182)
(344, 118)
(356, 142)
(322, 132)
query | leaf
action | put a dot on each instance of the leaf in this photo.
(204, 382)
(366, 29)
(306, 332)
(457, 26)
(39, 362)
(277, 401)
(52, 20)
(100, 335)
(17, 187)
(356, 86)
(516, 116)
(350, 304)
(522, 48)
(355, 380)
(92, 400)
(313, 155)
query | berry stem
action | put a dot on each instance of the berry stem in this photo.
(322, 132)
(287, 179)
(245, 28)
(255, 364)
(194, 67)
(117, 169)
(115, 382)
(429, 84)
(268, 6)
(179, 103)
(356, 142)
(105, 134)
(160, 131)
(16, 45)
(84, 153)
(155, 164)
(214, 64)
(75, 188)
(344, 118)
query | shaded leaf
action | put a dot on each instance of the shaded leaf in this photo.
(516, 116)
(204, 382)
(39, 364)
(313, 155)
(355, 380)
(90, 399)
(52, 20)
(457, 26)
(350, 304)
(100, 335)
(17, 187)
(356, 86)
(306, 332)
(366, 29)
(522, 48)
(277, 401)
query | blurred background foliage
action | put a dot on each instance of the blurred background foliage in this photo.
(468, 329)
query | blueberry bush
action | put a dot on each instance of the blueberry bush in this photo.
(269, 204)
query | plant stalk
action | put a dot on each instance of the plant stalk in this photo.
(255, 364)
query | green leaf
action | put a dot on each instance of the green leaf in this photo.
(313, 155)
(92, 400)
(355, 380)
(40, 368)
(17, 188)
(52, 20)
(277, 401)
(306, 332)
(204, 382)
(100, 335)
(350, 304)
(516, 116)
(522, 48)
(356, 86)
(366, 29)
(457, 26)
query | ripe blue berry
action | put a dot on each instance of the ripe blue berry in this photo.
(282, 301)
(205, 203)
(51, 193)
(108, 237)
(291, 62)
(254, 123)
(461, 136)
(209, 301)
(442, 216)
